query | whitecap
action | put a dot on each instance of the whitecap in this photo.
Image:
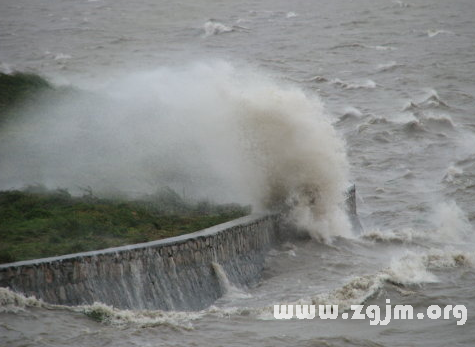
(448, 258)
(399, 236)
(452, 173)
(438, 121)
(433, 33)
(352, 112)
(317, 79)
(409, 269)
(390, 66)
(431, 100)
(357, 291)
(212, 27)
(366, 84)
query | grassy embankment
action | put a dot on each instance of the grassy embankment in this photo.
(41, 224)
(37, 223)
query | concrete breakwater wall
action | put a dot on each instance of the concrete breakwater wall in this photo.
(177, 273)
(171, 274)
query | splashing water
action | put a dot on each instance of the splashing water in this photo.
(451, 223)
(230, 291)
(212, 27)
(212, 130)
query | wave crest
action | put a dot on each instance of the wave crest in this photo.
(212, 27)
(367, 84)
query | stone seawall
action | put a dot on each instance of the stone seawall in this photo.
(171, 274)
(178, 273)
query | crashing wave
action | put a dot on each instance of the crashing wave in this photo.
(211, 129)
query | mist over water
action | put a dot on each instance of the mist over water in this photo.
(208, 130)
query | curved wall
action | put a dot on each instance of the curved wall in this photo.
(177, 273)
(170, 274)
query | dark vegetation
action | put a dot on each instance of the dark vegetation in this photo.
(37, 223)
(17, 89)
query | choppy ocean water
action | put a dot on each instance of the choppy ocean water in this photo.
(395, 81)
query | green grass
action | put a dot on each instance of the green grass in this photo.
(36, 223)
